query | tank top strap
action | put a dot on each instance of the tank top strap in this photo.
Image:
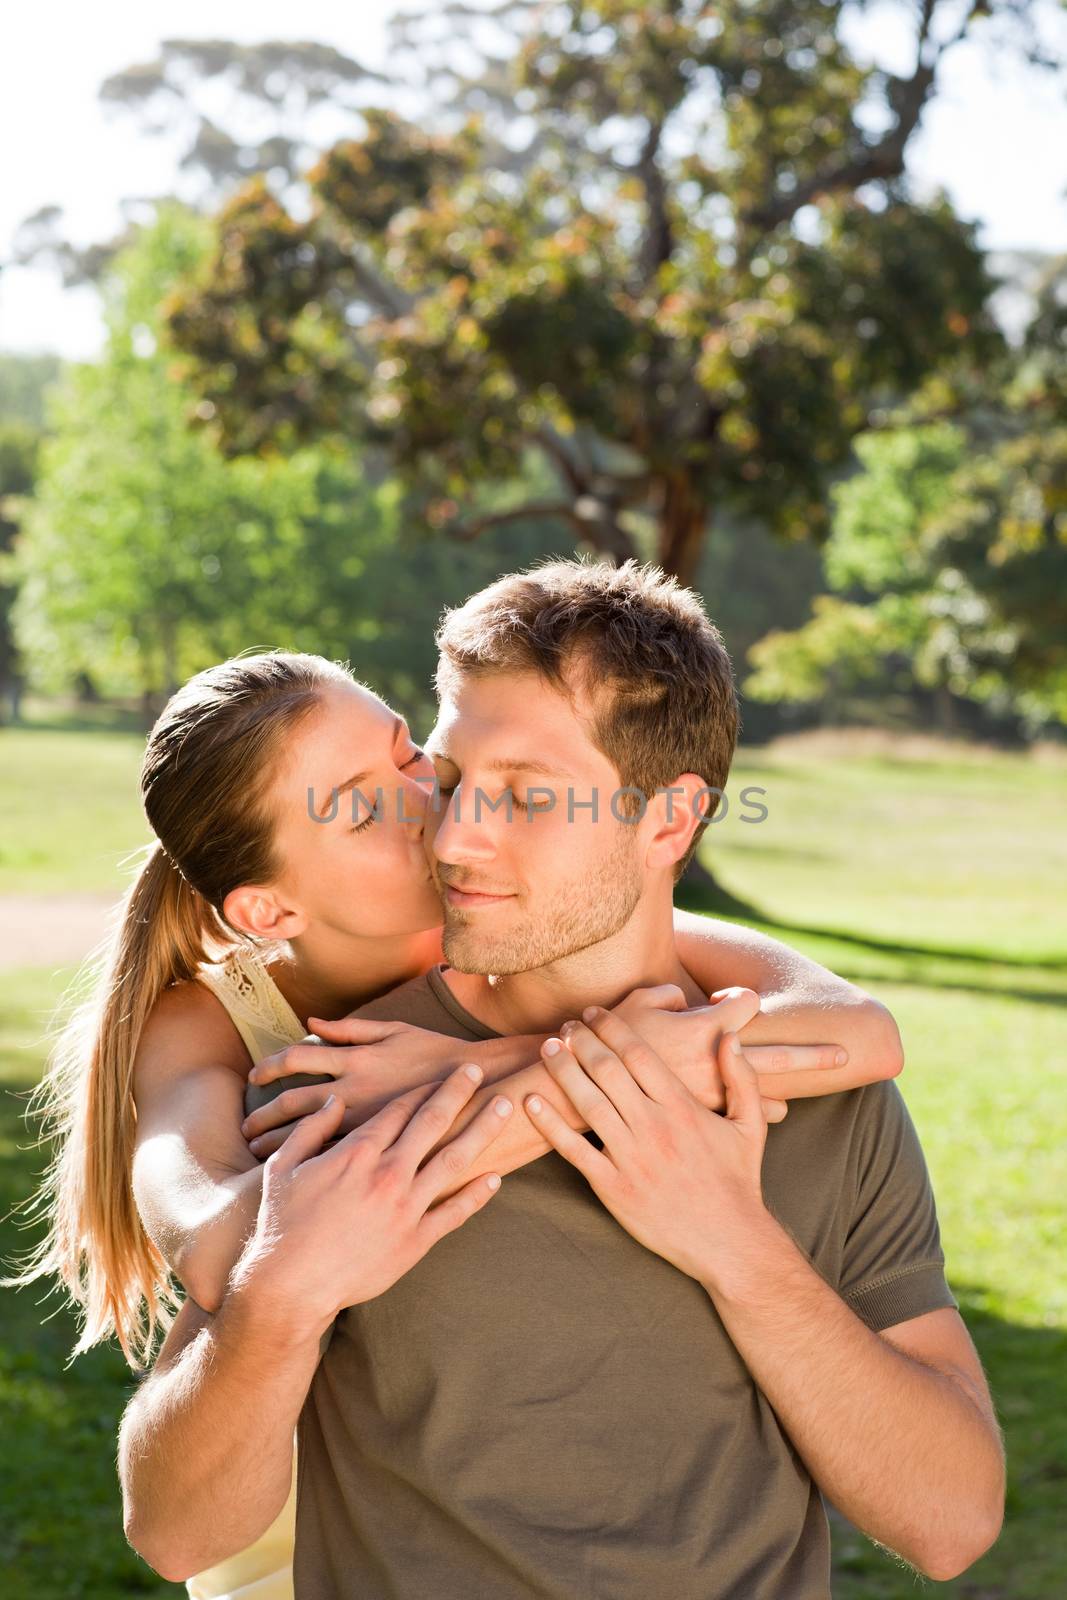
(259, 1011)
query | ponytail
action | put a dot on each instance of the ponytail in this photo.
(213, 750)
(96, 1243)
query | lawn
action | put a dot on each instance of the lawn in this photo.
(930, 879)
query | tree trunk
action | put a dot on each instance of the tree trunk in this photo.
(683, 520)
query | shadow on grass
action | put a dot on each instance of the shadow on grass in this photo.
(721, 902)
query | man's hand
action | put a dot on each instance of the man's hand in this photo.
(337, 1227)
(684, 1181)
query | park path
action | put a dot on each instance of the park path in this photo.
(43, 930)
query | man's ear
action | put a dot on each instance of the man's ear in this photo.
(675, 813)
(262, 912)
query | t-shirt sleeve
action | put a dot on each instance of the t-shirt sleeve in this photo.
(893, 1266)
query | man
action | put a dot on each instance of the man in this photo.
(633, 1371)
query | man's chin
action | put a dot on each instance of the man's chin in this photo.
(467, 954)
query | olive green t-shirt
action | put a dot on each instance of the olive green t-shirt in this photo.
(544, 1409)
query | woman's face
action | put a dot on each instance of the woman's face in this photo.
(349, 815)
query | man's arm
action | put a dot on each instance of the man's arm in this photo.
(897, 1428)
(801, 1002)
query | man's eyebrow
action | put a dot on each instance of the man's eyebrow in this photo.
(510, 764)
(526, 764)
(360, 777)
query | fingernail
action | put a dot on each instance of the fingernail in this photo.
(254, 1144)
(566, 1030)
(551, 1047)
(840, 1058)
(473, 1073)
(493, 1181)
(534, 1103)
(590, 1013)
(502, 1107)
(329, 1100)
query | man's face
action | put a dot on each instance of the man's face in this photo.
(519, 894)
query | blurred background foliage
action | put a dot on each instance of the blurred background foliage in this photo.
(640, 279)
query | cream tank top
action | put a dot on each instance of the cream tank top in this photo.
(266, 1022)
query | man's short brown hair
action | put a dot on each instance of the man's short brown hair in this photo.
(642, 648)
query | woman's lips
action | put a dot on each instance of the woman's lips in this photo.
(461, 897)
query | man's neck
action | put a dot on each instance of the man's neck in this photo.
(642, 953)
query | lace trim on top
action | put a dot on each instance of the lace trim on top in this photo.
(242, 982)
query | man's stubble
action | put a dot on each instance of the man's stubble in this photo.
(590, 910)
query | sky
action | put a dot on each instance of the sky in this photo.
(995, 139)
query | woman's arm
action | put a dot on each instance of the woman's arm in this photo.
(801, 1002)
(196, 1183)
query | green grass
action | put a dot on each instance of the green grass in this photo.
(935, 883)
(69, 808)
(60, 1510)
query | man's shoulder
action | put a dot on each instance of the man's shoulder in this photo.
(871, 1104)
(427, 1002)
(828, 1136)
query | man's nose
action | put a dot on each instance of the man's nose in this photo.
(457, 834)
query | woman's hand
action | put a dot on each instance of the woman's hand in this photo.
(688, 1037)
(682, 1180)
(368, 1063)
(339, 1226)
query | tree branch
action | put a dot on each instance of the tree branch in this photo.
(586, 515)
(884, 159)
(658, 241)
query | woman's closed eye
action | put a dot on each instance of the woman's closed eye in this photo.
(374, 815)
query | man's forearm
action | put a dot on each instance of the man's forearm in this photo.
(206, 1445)
(900, 1448)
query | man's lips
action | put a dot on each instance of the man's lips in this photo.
(473, 897)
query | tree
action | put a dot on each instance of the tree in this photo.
(146, 556)
(949, 546)
(19, 443)
(230, 109)
(672, 250)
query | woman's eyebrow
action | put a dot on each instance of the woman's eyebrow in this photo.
(361, 777)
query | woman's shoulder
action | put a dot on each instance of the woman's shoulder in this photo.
(189, 1019)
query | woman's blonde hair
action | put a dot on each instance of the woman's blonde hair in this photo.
(207, 768)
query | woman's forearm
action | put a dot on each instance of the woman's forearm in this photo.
(801, 1002)
(208, 1237)
(206, 1444)
(861, 1025)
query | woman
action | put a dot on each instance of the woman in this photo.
(247, 926)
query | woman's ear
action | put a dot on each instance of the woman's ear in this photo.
(260, 912)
